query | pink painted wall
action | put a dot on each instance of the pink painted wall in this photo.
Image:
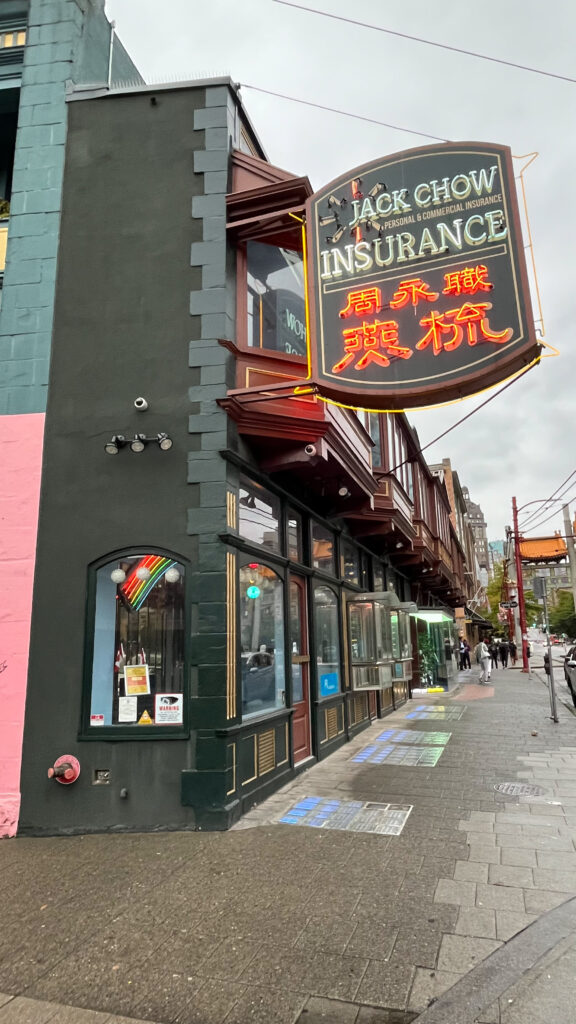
(20, 466)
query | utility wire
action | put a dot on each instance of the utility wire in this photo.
(427, 42)
(536, 526)
(495, 394)
(336, 110)
(542, 508)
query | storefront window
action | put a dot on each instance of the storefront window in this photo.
(262, 639)
(294, 536)
(378, 577)
(259, 516)
(350, 563)
(374, 428)
(138, 658)
(327, 632)
(322, 548)
(276, 311)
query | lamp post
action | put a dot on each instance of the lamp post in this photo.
(520, 585)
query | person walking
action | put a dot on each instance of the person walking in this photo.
(466, 659)
(483, 658)
(504, 649)
(493, 653)
(513, 652)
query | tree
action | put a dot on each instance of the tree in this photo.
(562, 617)
(495, 596)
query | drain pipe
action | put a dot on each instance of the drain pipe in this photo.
(111, 53)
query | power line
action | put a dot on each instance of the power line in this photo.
(427, 42)
(495, 394)
(536, 526)
(345, 113)
(542, 508)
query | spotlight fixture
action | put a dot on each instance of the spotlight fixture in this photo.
(138, 443)
(113, 446)
(165, 442)
(343, 491)
(399, 544)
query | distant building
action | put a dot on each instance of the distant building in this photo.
(478, 524)
(496, 552)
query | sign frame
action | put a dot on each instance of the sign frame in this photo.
(488, 366)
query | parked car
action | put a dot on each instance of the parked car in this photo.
(570, 672)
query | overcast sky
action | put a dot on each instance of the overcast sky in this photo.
(523, 442)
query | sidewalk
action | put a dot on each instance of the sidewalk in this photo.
(281, 923)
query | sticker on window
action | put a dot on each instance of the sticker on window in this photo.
(169, 708)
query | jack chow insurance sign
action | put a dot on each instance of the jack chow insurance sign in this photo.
(417, 280)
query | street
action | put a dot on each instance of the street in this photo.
(388, 883)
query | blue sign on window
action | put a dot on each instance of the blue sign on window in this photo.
(328, 684)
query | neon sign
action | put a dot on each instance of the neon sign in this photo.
(135, 589)
(378, 341)
(417, 283)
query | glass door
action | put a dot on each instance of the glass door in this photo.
(300, 661)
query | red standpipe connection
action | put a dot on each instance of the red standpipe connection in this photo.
(65, 770)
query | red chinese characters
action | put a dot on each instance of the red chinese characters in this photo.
(467, 281)
(412, 291)
(453, 322)
(368, 300)
(378, 341)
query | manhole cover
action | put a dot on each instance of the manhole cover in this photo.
(519, 789)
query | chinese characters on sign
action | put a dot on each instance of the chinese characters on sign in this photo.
(377, 341)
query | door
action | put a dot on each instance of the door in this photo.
(300, 670)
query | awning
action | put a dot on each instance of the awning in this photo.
(477, 620)
(432, 615)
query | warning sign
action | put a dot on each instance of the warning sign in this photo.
(169, 708)
(145, 719)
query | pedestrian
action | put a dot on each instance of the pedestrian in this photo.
(493, 653)
(467, 665)
(513, 652)
(504, 649)
(482, 655)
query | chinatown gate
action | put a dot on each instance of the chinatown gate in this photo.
(254, 476)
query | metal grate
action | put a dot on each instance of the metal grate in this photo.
(416, 757)
(519, 789)
(348, 815)
(331, 723)
(266, 752)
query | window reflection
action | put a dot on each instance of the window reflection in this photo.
(350, 563)
(276, 311)
(259, 515)
(294, 537)
(327, 635)
(322, 548)
(262, 639)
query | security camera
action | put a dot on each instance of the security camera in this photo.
(141, 404)
(310, 449)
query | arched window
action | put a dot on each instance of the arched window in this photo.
(137, 662)
(262, 639)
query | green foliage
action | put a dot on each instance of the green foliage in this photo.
(494, 591)
(428, 657)
(562, 617)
